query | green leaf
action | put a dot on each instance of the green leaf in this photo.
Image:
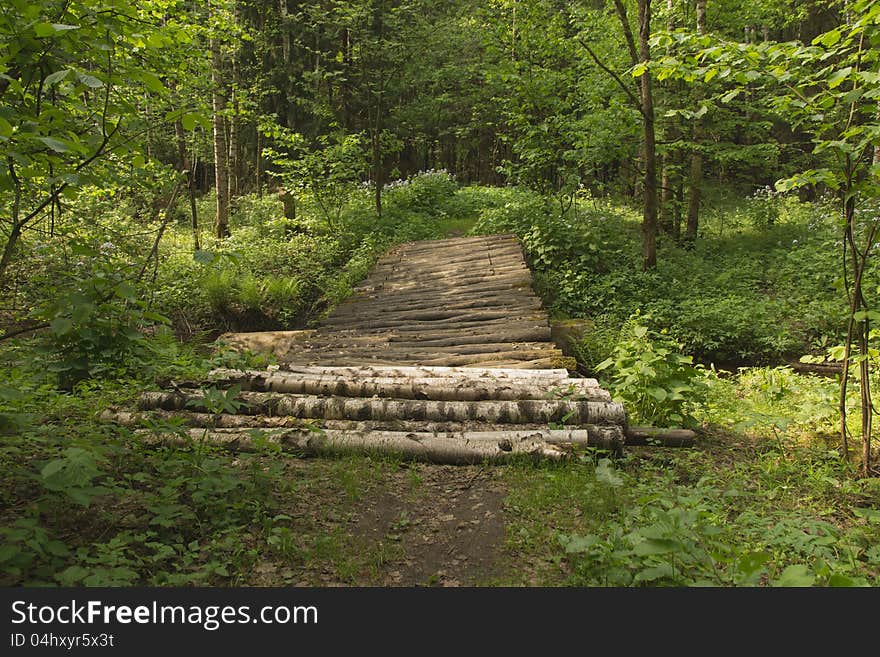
(654, 546)
(795, 575)
(605, 473)
(61, 326)
(9, 551)
(575, 544)
(828, 39)
(5, 128)
(51, 29)
(639, 69)
(751, 562)
(862, 315)
(126, 290)
(55, 144)
(204, 257)
(608, 362)
(657, 393)
(838, 580)
(871, 515)
(655, 572)
(71, 575)
(57, 76)
(79, 495)
(152, 82)
(52, 468)
(90, 80)
(730, 95)
(192, 119)
(837, 78)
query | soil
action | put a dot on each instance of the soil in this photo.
(450, 536)
(396, 524)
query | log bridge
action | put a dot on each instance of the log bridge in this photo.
(443, 354)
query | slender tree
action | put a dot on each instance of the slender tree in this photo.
(695, 182)
(640, 57)
(218, 124)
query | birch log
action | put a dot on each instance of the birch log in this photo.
(609, 437)
(428, 371)
(439, 389)
(433, 448)
(342, 408)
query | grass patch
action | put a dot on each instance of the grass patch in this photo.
(735, 512)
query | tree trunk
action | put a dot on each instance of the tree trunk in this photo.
(649, 217)
(426, 371)
(660, 436)
(258, 163)
(221, 168)
(378, 122)
(378, 170)
(436, 389)
(669, 208)
(234, 135)
(187, 167)
(285, 33)
(876, 159)
(696, 168)
(15, 232)
(695, 187)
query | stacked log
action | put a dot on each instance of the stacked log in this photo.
(440, 414)
(443, 354)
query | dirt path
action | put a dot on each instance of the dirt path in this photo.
(363, 523)
(450, 533)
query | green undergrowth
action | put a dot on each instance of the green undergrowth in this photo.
(90, 503)
(735, 512)
(274, 272)
(760, 285)
(764, 498)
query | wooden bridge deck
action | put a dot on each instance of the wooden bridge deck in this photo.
(465, 301)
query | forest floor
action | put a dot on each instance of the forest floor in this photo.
(383, 523)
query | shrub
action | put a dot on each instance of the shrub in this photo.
(649, 373)
(96, 319)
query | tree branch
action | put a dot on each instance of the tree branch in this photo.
(627, 31)
(635, 101)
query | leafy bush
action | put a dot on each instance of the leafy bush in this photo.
(761, 285)
(659, 384)
(96, 322)
(427, 191)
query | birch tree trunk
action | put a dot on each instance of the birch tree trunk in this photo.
(455, 449)
(221, 167)
(341, 408)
